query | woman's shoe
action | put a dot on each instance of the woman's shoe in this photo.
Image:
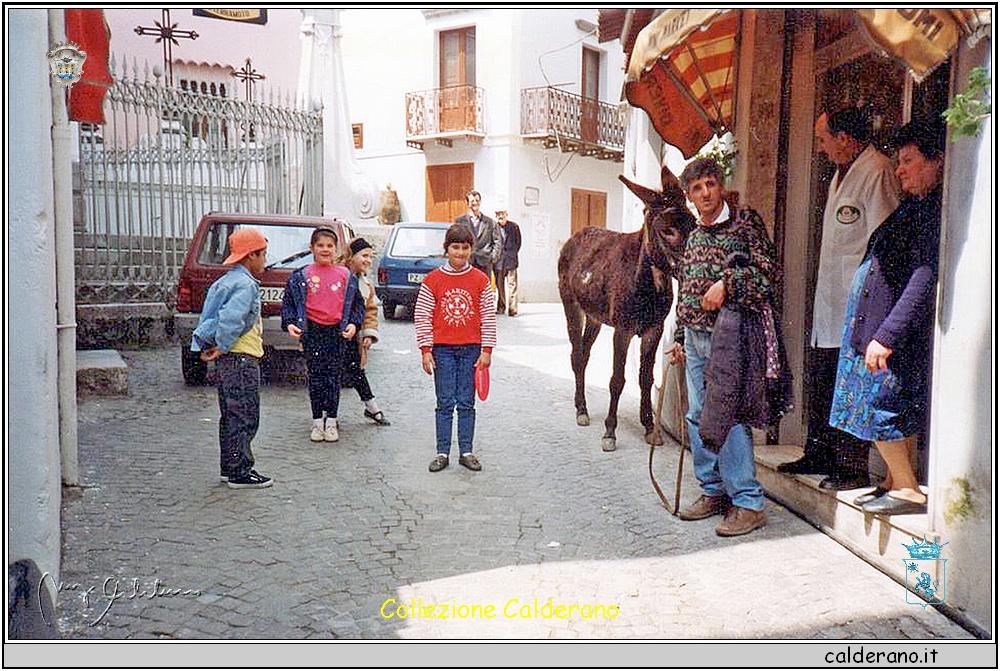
(870, 496)
(887, 505)
(377, 417)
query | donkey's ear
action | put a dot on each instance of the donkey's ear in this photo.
(668, 180)
(645, 194)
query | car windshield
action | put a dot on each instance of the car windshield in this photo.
(418, 242)
(284, 243)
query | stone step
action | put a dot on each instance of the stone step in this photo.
(876, 539)
(101, 372)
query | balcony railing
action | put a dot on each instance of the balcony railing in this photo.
(572, 122)
(444, 114)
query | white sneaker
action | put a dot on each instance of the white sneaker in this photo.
(331, 435)
(316, 435)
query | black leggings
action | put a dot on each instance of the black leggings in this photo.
(354, 374)
(323, 347)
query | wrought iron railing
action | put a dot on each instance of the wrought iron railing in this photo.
(572, 121)
(444, 112)
(164, 158)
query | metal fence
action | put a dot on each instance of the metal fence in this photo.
(164, 157)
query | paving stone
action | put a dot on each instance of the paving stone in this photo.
(350, 525)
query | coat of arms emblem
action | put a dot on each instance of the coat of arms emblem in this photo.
(66, 63)
(925, 572)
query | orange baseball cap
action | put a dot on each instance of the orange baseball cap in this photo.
(243, 242)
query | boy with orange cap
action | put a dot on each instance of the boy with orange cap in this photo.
(230, 333)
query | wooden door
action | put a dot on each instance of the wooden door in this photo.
(590, 90)
(457, 74)
(446, 189)
(589, 208)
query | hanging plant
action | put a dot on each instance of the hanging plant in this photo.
(724, 154)
(969, 109)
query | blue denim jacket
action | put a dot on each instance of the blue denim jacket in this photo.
(293, 307)
(231, 308)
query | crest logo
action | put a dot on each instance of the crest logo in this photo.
(925, 572)
(66, 63)
(848, 214)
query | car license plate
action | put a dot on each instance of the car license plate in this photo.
(415, 278)
(272, 294)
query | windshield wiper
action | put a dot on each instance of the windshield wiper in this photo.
(289, 259)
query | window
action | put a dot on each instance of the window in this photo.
(458, 58)
(590, 83)
(358, 131)
(591, 79)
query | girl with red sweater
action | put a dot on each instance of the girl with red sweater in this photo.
(455, 320)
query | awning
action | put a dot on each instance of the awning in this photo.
(682, 74)
(921, 38)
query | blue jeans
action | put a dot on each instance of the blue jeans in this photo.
(731, 471)
(454, 385)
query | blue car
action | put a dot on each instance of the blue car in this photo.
(412, 250)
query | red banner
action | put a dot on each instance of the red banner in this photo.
(87, 28)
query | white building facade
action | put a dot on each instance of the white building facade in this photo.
(489, 60)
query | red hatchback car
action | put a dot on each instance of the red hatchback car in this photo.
(287, 249)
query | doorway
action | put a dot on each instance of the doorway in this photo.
(457, 79)
(588, 208)
(446, 189)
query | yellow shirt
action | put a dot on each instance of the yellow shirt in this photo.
(251, 342)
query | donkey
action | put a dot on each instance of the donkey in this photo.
(623, 280)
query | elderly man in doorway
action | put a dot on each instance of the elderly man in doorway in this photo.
(863, 192)
(506, 269)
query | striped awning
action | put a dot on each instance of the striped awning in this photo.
(681, 72)
(921, 38)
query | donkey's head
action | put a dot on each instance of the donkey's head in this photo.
(667, 221)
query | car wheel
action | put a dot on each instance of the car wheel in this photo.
(389, 309)
(192, 367)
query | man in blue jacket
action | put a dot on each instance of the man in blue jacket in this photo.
(230, 333)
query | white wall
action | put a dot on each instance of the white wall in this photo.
(388, 53)
(33, 477)
(963, 405)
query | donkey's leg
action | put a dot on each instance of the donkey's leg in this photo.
(578, 361)
(622, 338)
(650, 341)
(590, 331)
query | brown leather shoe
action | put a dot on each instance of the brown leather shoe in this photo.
(439, 462)
(741, 521)
(704, 506)
(470, 462)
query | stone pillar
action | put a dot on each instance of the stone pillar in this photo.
(33, 422)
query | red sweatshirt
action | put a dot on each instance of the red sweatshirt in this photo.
(455, 307)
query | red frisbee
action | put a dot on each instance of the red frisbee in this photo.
(482, 382)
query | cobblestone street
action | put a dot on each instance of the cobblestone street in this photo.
(155, 547)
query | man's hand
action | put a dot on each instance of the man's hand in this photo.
(714, 297)
(675, 354)
(427, 361)
(877, 356)
(210, 354)
(349, 332)
(294, 331)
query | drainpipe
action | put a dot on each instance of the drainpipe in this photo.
(62, 182)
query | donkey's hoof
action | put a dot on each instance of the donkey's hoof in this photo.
(582, 419)
(608, 444)
(654, 437)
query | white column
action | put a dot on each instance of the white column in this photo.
(347, 191)
(33, 420)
